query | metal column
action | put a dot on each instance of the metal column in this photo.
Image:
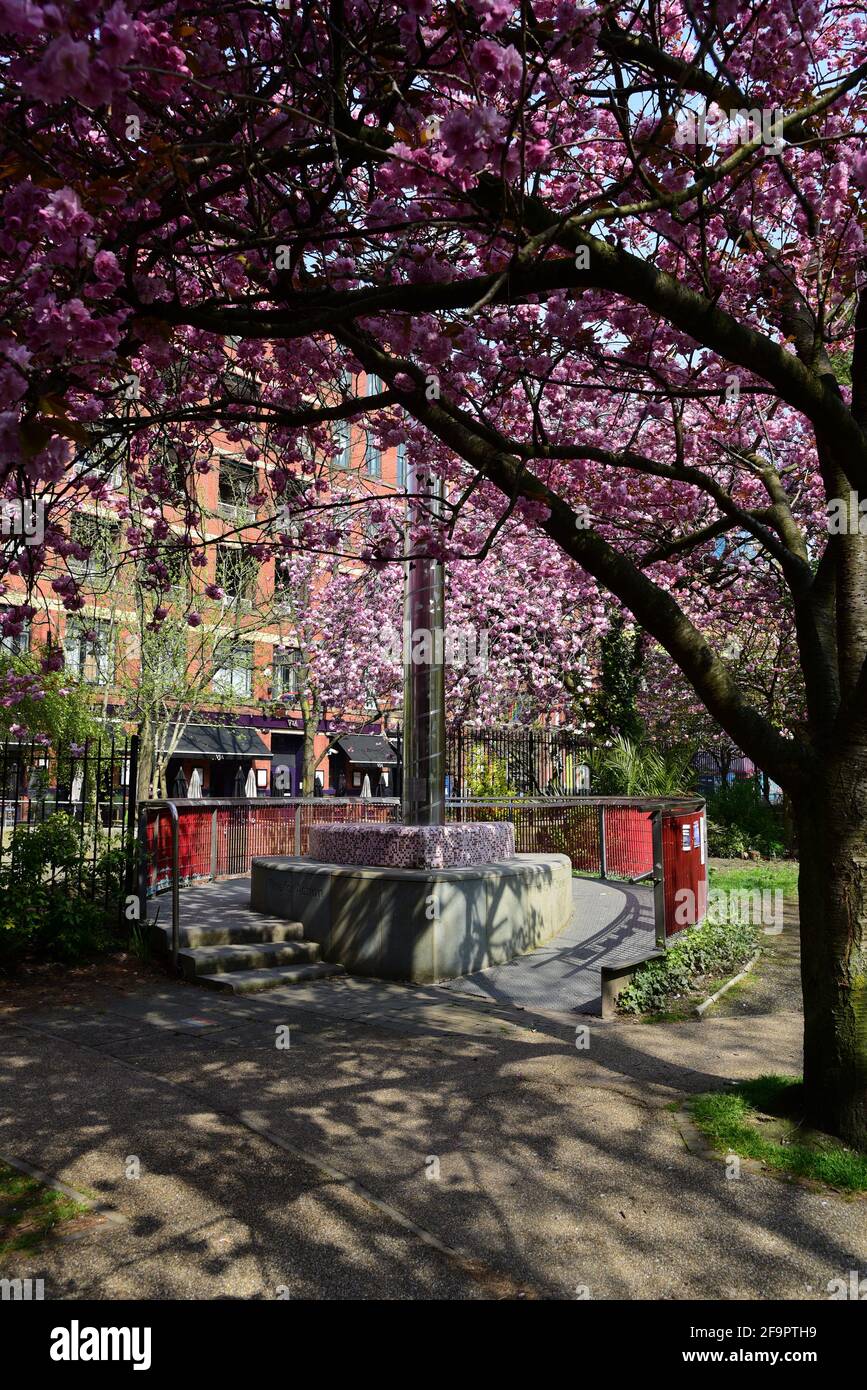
(424, 725)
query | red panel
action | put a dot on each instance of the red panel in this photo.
(248, 830)
(628, 842)
(685, 869)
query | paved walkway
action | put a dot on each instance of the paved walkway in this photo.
(610, 922)
(408, 1143)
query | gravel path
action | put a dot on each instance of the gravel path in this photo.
(409, 1143)
(774, 984)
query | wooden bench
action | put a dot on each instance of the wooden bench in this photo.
(617, 976)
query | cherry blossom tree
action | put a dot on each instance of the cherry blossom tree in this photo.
(341, 669)
(605, 263)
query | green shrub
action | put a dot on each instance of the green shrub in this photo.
(726, 841)
(487, 775)
(705, 950)
(634, 769)
(740, 820)
(44, 912)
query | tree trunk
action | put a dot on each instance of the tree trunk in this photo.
(832, 832)
(146, 758)
(310, 715)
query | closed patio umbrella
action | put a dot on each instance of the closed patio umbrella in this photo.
(250, 784)
(196, 784)
(366, 793)
(180, 788)
(238, 789)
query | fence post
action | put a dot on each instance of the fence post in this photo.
(298, 831)
(214, 844)
(603, 852)
(172, 809)
(142, 862)
(128, 830)
(659, 880)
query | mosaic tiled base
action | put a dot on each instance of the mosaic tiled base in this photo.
(465, 845)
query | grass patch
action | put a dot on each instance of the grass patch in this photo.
(761, 1119)
(757, 875)
(706, 955)
(30, 1211)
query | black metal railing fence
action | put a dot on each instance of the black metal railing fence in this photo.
(92, 786)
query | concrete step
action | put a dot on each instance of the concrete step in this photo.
(264, 955)
(254, 981)
(238, 926)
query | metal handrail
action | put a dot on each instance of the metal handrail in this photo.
(144, 808)
(185, 802)
(210, 806)
(635, 803)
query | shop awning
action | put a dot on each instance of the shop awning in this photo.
(368, 750)
(218, 741)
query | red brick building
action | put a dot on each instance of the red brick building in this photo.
(246, 724)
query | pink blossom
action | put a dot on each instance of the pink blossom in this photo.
(494, 14)
(21, 17)
(502, 64)
(118, 37)
(470, 136)
(63, 71)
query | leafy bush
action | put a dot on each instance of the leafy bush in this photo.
(487, 775)
(740, 820)
(43, 911)
(63, 711)
(634, 769)
(705, 950)
(725, 841)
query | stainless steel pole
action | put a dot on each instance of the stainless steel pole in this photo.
(424, 725)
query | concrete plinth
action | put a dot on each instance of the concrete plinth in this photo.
(420, 925)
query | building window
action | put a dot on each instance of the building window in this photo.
(282, 587)
(87, 650)
(343, 443)
(15, 643)
(241, 387)
(165, 457)
(287, 670)
(175, 558)
(105, 459)
(236, 485)
(372, 451)
(234, 673)
(101, 539)
(401, 465)
(372, 457)
(236, 573)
